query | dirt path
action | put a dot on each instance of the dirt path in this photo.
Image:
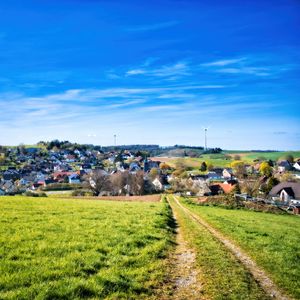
(183, 281)
(260, 276)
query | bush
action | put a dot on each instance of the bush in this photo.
(61, 187)
(81, 193)
(33, 194)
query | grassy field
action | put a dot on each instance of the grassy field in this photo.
(269, 155)
(74, 249)
(273, 241)
(221, 275)
(220, 160)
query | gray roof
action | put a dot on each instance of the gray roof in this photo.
(294, 186)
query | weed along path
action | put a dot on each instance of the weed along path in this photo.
(268, 288)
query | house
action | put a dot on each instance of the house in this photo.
(284, 165)
(49, 181)
(134, 166)
(11, 174)
(228, 186)
(201, 188)
(2, 192)
(227, 173)
(150, 164)
(218, 171)
(297, 165)
(36, 185)
(70, 158)
(214, 176)
(8, 186)
(23, 182)
(74, 178)
(286, 191)
(32, 150)
(198, 176)
(111, 159)
(158, 186)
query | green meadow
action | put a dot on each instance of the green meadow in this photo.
(270, 155)
(273, 241)
(74, 249)
(224, 159)
(220, 273)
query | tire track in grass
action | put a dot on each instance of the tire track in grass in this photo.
(184, 276)
(259, 275)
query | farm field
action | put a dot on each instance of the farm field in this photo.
(273, 241)
(73, 249)
(269, 155)
(219, 160)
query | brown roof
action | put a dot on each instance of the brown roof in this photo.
(294, 186)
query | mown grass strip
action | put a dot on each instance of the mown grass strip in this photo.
(76, 249)
(222, 276)
(272, 241)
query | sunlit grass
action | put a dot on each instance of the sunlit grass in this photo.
(221, 275)
(273, 241)
(53, 248)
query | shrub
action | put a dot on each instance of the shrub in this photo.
(33, 194)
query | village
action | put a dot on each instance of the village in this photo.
(62, 167)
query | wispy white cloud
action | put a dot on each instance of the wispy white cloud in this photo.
(177, 69)
(135, 72)
(223, 62)
(83, 103)
(258, 71)
(248, 65)
(149, 27)
(127, 103)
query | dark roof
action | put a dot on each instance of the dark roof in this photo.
(284, 163)
(289, 191)
(287, 186)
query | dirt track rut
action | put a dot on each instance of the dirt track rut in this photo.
(260, 276)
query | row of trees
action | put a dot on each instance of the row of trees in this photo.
(120, 183)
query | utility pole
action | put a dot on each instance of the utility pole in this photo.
(115, 140)
(205, 138)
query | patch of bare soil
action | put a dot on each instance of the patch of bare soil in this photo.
(260, 276)
(143, 198)
(184, 277)
(183, 283)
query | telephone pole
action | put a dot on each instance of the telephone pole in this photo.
(115, 140)
(205, 138)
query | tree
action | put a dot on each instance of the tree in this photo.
(289, 158)
(237, 157)
(153, 173)
(210, 167)
(250, 187)
(272, 181)
(203, 167)
(180, 165)
(239, 168)
(164, 167)
(236, 189)
(288, 176)
(99, 182)
(265, 169)
(138, 183)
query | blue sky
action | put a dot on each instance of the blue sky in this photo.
(151, 72)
